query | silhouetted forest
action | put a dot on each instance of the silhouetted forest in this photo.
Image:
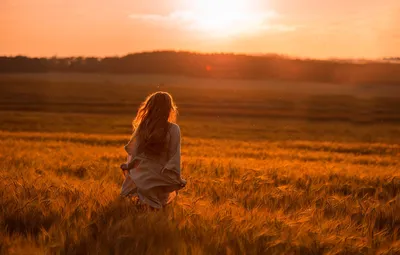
(215, 66)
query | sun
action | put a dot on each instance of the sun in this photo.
(226, 17)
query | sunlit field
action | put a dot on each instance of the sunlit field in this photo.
(269, 171)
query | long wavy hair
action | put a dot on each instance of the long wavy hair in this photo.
(150, 127)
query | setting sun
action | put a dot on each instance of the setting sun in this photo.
(227, 17)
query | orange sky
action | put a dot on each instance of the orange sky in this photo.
(306, 28)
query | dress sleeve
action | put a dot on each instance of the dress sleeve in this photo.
(174, 150)
(131, 148)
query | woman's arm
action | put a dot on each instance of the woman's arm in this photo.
(131, 150)
(131, 146)
(174, 150)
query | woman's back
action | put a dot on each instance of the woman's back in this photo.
(171, 148)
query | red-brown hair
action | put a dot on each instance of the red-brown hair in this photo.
(152, 122)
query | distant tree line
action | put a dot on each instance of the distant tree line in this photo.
(214, 66)
(392, 59)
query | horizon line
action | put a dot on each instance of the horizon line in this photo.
(265, 54)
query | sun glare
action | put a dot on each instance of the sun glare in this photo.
(227, 17)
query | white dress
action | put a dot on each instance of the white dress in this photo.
(155, 180)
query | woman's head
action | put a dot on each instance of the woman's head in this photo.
(152, 122)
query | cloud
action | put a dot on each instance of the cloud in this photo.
(149, 17)
(228, 23)
(173, 17)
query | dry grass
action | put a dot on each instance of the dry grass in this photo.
(262, 178)
(59, 195)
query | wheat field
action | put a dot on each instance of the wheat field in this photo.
(60, 195)
(255, 186)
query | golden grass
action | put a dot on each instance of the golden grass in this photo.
(59, 195)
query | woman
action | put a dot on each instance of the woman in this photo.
(154, 153)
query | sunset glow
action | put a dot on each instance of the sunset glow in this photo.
(228, 17)
(306, 28)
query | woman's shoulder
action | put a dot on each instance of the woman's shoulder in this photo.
(174, 128)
